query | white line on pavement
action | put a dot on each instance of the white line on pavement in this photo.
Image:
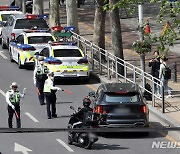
(2, 55)
(31, 117)
(3, 93)
(65, 145)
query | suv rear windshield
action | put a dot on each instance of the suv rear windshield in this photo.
(122, 98)
(67, 53)
(39, 39)
(31, 23)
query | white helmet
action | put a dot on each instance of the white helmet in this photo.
(14, 84)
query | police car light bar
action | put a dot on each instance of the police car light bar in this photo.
(34, 31)
(9, 8)
(34, 16)
(52, 60)
(69, 28)
(62, 43)
(44, 16)
(57, 28)
(26, 47)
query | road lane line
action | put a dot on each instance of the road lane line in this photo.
(31, 117)
(152, 126)
(65, 145)
(3, 93)
(2, 55)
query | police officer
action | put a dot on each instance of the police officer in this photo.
(50, 95)
(40, 75)
(13, 99)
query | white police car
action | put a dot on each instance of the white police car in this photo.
(23, 48)
(5, 12)
(16, 24)
(66, 60)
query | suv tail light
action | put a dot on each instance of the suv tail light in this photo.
(144, 109)
(83, 61)
(99, 109)
(12, 36)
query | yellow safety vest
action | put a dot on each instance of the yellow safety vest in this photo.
(14, 98)
(47, 88)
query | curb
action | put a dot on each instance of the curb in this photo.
(170, 121)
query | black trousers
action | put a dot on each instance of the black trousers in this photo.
(50, 104)
(11, 112)
(40, 87)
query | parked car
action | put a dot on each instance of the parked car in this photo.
(5, 12)
(16, 24)
(21, 49)
(66, 60)
(123, 103)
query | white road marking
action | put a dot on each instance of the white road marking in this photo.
(31, 117)
(2, 55)
(65, 145)
(20, 148)
(3, 93)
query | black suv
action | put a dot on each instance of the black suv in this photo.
(123, 103)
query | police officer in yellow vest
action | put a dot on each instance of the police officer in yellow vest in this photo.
(13, 99)
(50, 95)
(40, 75)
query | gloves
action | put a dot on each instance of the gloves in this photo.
(58, 88)
(13, 107)
(35, 82)
(24, 91)
(62, 89)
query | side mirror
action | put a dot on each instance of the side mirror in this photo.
(92, 94)
(37, 53)
(2, 23)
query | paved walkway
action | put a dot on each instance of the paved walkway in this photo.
(129, 33)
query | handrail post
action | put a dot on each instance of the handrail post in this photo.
(153, 100)
(116, 69)
(125, 72)
(134, 74)
(92, 56)
(108, 73)
(163, 101)
(100, 60)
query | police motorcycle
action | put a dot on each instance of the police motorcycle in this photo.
(91, 120)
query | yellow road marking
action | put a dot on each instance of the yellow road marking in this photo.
(152, 126)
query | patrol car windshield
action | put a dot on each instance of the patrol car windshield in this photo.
(5, 17)
(67, 53)
(31, 23)
(39, 39)
(121, 98)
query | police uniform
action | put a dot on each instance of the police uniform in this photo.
(50, 95)
(13, 100)
(40, 75)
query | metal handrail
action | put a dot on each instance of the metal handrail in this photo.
(95, 54)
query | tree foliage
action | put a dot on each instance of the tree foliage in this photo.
(168, 11)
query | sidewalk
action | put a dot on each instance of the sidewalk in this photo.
(86, 19)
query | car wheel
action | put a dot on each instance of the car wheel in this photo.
(10, 55)
(19, 63)
(2, 43)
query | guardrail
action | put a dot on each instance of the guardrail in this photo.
(103, 62)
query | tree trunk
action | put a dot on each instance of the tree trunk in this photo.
(72, 16)
(99, 26)
(54, 13)
(37, 7)
(18, 3)
(116, 35)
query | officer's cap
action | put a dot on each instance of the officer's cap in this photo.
(41, 58)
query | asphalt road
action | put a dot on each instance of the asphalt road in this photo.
(34, 116)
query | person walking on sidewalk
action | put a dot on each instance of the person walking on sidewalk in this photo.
(154, 63)
(163, 77)
(50, 95)
(40, 75)
(13, 99)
